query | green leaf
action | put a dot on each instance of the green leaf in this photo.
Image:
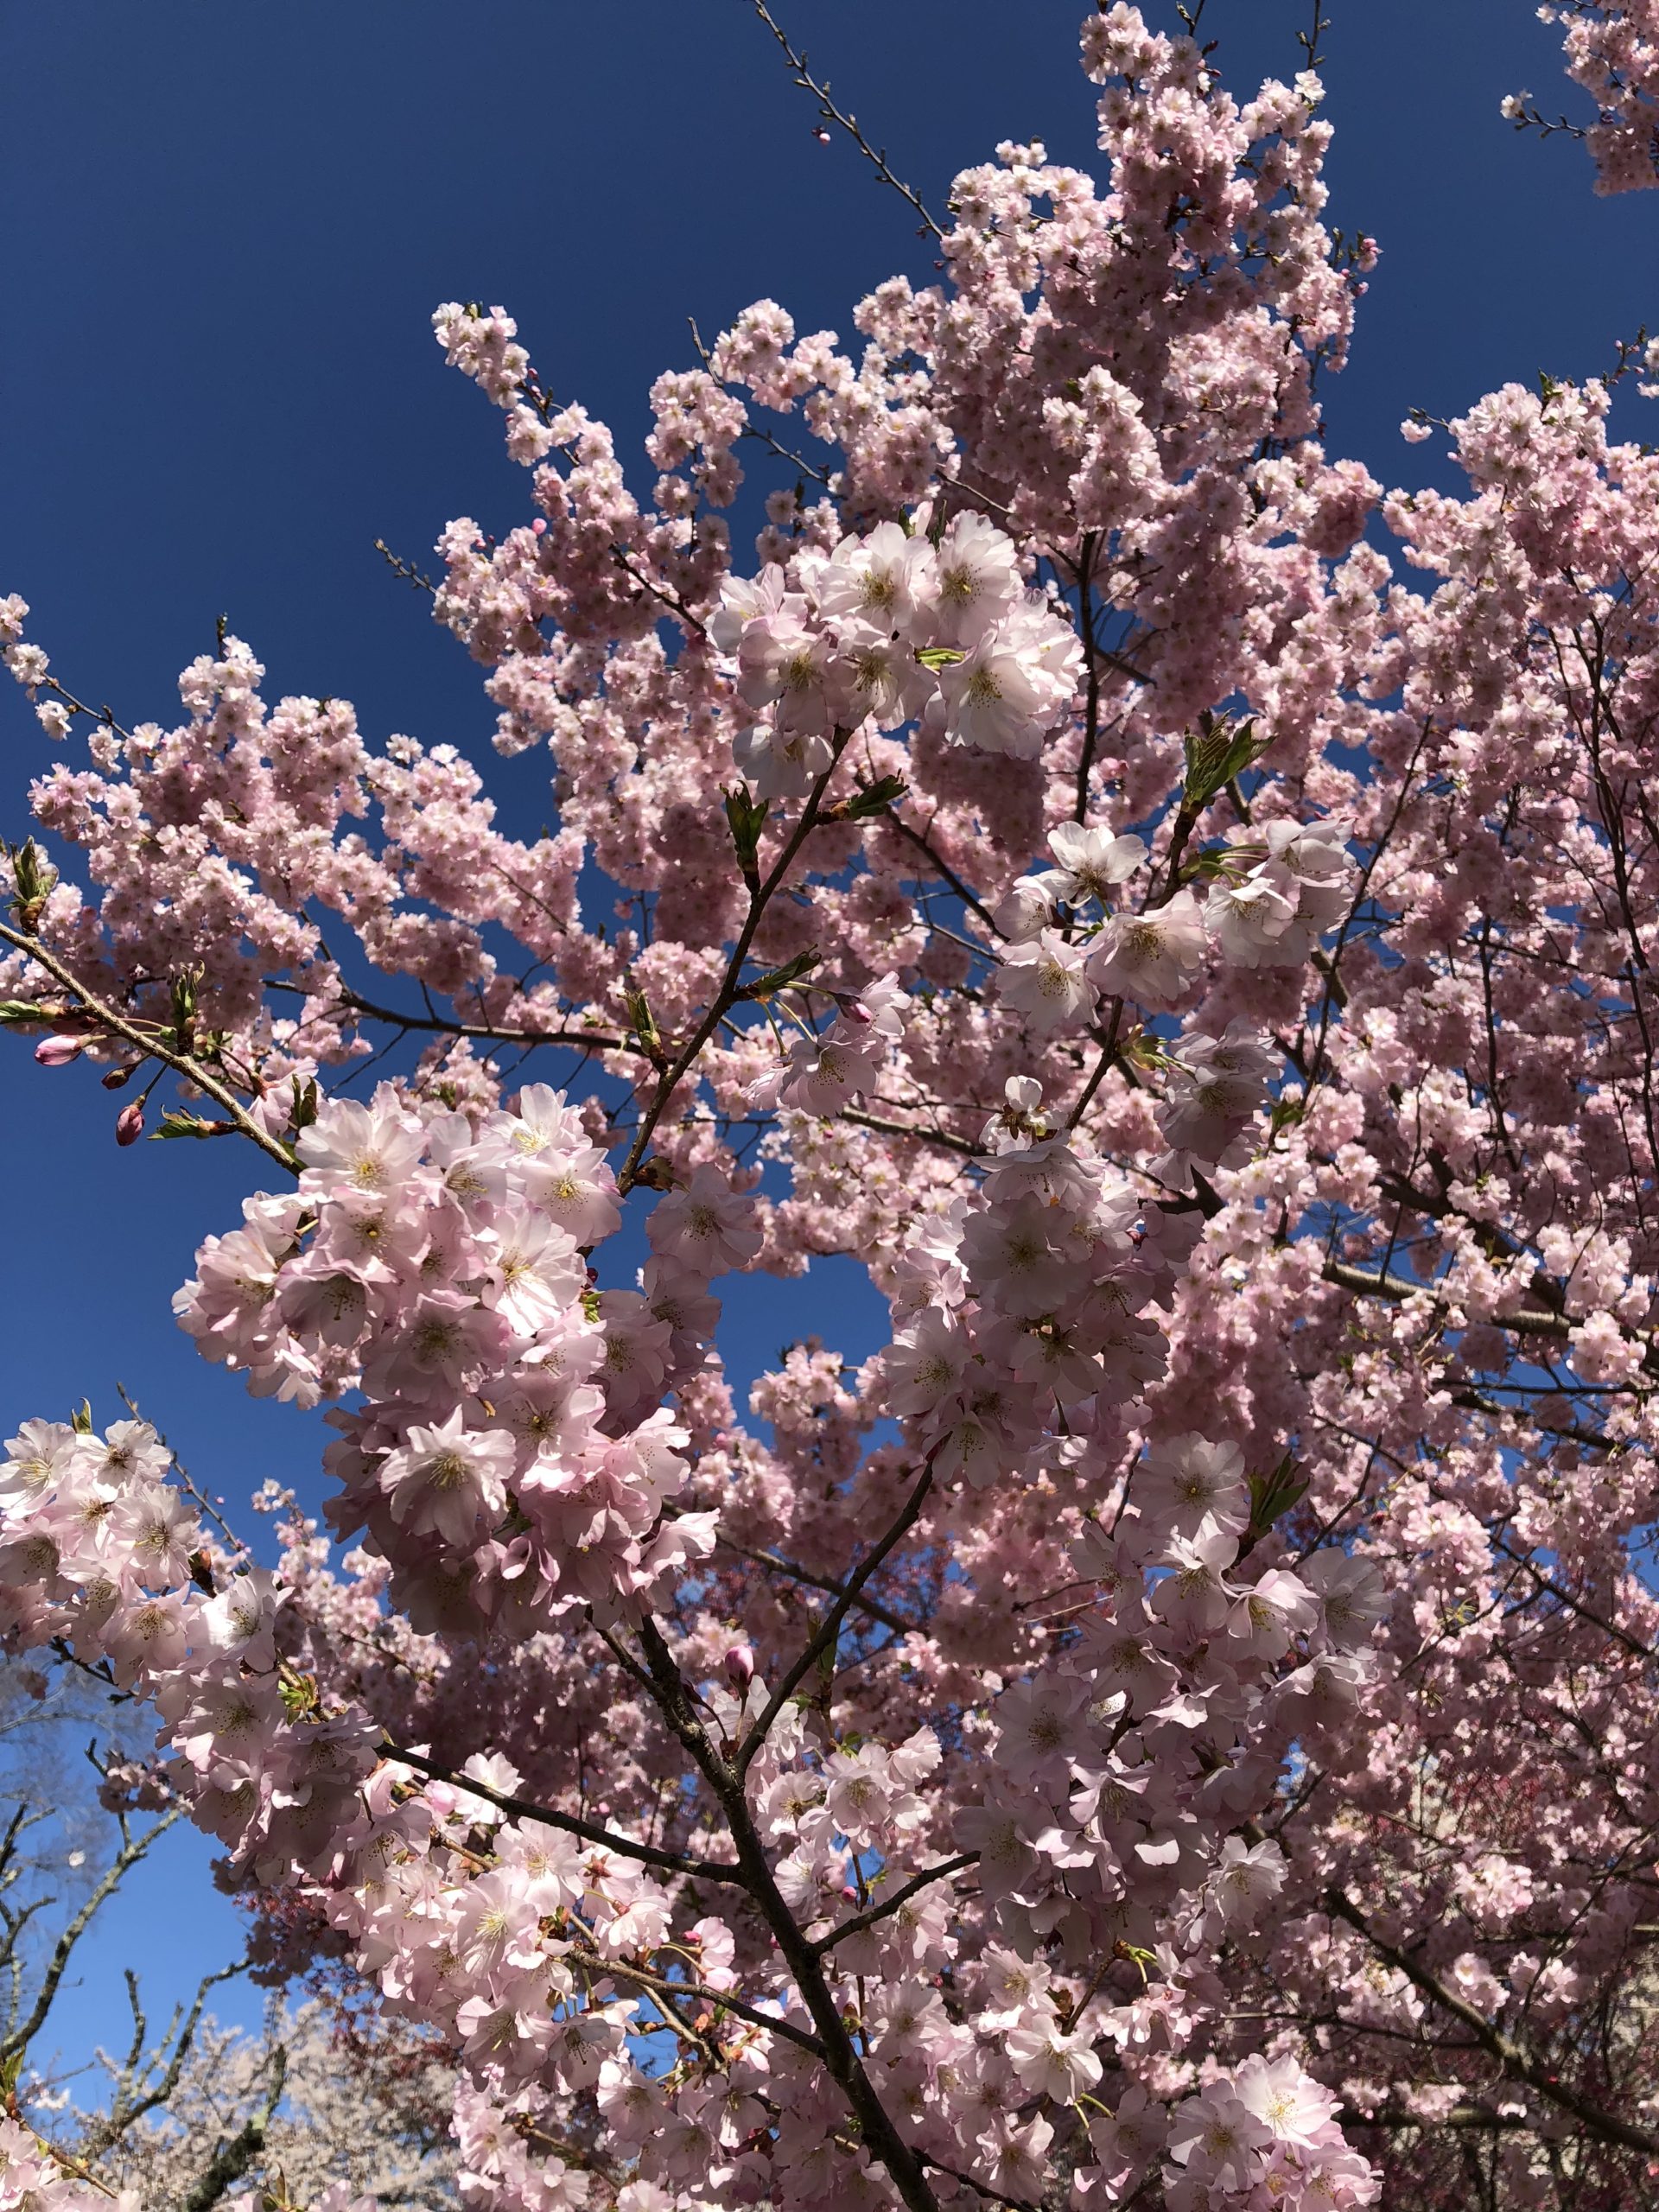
(34, 879)
(747, 818)
(872, 798)
(299, 1696)
(184, 999)
(1217, 751)
(642, 1023)
(1212, 862)
(1273, 1495)
(779, 979)
(175, 1122)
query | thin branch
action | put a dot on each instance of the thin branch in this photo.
(760, 896)
(122, 2116)
(668, 1862)
(181, 1063)
(912, 1888)
(661, 1985)
(1605, 2126)
(980, 2188)
(406, 569)
(831, 1629)
(831, 113)
(127, 1858)
(945, 872)
(437, 1025)
(796, 1572)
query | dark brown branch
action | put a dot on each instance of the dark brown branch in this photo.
(862, 1603)
(1394, 1287)
(667, 1862)
(831, 1627)
(841, 2059)
(760, 896)
(660, 1984)
(127, 1858)
(831, 113)
(890, 1905)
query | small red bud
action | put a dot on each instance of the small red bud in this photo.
(117, 1077)
(130, 1123)
(739, 1666)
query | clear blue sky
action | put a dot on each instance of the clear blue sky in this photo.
(228, 226)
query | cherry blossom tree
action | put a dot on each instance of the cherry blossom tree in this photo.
(1177, 1726)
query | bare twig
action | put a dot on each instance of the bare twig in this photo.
(831, 113)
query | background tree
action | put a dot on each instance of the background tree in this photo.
(177, 2112)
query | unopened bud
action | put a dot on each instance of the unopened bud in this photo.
(117, 1078)
(129, 1122)
(739, 1666)
(58, 1051)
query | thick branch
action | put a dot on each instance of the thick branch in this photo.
(231, 2159)
(1366, 1285)
(841, 2057)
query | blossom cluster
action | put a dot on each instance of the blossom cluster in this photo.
(897, 625)
(509, 1454)
(1613, 52)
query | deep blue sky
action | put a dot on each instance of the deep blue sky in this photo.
(227, 229)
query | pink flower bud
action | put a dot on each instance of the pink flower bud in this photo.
(58, 1051)
(129, 1122)
(739, 1666)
